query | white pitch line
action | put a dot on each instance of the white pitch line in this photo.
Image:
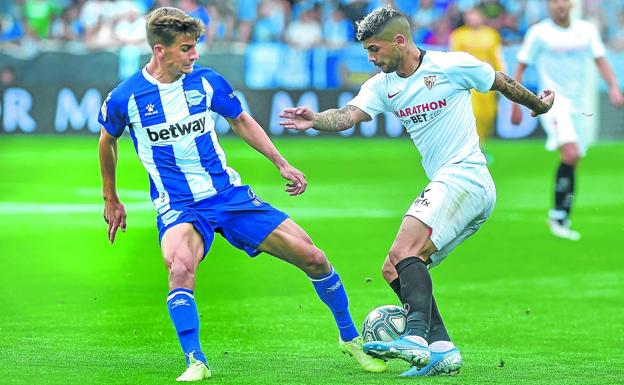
(20, 208)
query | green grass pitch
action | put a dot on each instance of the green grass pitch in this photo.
(524, 307)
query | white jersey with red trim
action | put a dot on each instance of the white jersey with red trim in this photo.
(433, 105)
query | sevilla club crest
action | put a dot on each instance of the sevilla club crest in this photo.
(430, 81)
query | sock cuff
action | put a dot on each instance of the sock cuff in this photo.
(179, 291)
(395, 285)
(327, 276)
(402, 264)
(566, 167)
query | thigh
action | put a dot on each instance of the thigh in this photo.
(289, 242)
(559, 126)
(170, 219)
(453, 200)
(412, 240)
(182, 244)
(471, 228)
(246, 221)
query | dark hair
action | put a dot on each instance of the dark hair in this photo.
(166, 23)
(375, 22)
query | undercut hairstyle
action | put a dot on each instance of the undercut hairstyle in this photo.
(165, 24)
(376, 21)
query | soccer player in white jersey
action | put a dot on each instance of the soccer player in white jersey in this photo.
(169, 108)
(562, 50)
(430, 93)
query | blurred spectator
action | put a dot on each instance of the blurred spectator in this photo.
(616, 34)
(423, 20)
(247, 14)
(484, 43)
(67, 26)
(11, 28)
(193, 9)
(337, 30)
(38, 14)
(305, 32)
(7, 76)
(493, 10)
(271, 21)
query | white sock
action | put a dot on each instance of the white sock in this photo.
(441, 346)
(417, 339)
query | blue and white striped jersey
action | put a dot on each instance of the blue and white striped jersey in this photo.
(173, 130)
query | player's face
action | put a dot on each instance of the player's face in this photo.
(559, 10)
(181, 55)
(383, 54)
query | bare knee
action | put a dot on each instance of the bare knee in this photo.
(315, 263)
(389, 271)
(182, 267)
(422, 250)
(570, 154)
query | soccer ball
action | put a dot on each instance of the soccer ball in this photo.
(385, 323)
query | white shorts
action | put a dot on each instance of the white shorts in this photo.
(563, 124)
(458, 199)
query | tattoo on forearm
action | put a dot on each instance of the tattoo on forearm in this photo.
(334, 119)
(516, 92)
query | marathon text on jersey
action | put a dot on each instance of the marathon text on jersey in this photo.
(420, 108)
(176, 130)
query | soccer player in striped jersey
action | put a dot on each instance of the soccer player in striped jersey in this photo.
(429, 92)
(169, 108)
(563, 51)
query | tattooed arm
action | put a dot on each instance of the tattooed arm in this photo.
(516, 92)
(302, 118)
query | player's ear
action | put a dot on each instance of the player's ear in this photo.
(159, 50)
(400, 40)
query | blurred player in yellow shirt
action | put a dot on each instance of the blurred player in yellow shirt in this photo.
(484, 43)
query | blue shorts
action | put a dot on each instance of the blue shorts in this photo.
(237, 214)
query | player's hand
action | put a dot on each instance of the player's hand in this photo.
(298, 118)
(115, 216)
(548, 98)
(516, 114)
(616, 98)
(297, 180)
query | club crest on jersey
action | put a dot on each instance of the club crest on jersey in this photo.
(193, 97)
(151, 110)
(430, 81)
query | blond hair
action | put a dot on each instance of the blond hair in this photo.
(165, 24)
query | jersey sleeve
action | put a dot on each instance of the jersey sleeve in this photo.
(113, 115)
(597, 46)
(530, 47)
(369, 99)
(467, 72)
(224, 100)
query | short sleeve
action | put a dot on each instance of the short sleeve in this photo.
(224, 100)
(368, 99)
(597, 46)
(113, 115)
(467, 72)
(530, 48)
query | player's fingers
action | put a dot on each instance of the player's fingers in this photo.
(122, 224)
(112, 230)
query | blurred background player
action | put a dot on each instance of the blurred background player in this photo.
(430, 92)
(168, 107)
(562, 50)
(484, 43)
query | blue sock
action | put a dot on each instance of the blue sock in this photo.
(183, 313)
(331, 291)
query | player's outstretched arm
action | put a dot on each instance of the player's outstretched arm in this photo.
(302, 118)
(516, 92)
(615, 94)
(247, 128)
(114, 211)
